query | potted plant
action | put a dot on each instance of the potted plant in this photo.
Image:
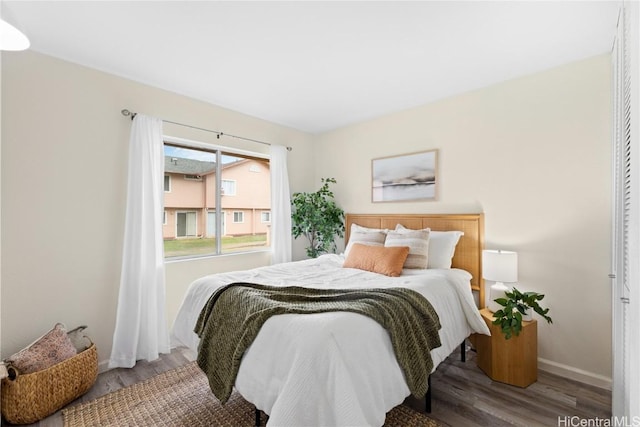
(516, 305)
(317, 217)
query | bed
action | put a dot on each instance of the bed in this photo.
(339, 368)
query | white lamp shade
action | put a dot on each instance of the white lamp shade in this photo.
(500, 266)
(11, 38)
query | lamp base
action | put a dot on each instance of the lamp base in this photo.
(496, 291)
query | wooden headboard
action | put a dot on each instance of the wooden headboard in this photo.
(468, 255)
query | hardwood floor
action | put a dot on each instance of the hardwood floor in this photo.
(462, 395)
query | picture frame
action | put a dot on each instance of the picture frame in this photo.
(406, 177)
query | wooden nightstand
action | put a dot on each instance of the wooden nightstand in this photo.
(513, 361)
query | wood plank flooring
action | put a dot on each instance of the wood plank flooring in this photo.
(463, 396)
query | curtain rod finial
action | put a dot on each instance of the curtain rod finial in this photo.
(128, 113)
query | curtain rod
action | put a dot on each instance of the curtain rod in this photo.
(128, 113)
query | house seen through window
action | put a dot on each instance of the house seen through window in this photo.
(198, 220)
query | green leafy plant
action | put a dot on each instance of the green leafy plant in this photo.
(515, 305)
(317, 217)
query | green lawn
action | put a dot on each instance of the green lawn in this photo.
(198, 246)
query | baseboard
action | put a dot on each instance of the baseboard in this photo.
(103, 366)
(575, 374)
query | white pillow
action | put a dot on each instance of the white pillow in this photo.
(373, 238)
(442, 246)
(355, 227)
(418, 243)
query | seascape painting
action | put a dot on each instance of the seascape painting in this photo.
(405, 177)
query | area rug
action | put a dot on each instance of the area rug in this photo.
(182, 397)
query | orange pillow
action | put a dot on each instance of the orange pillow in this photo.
(377, 259)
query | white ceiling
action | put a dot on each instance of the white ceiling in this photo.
(317, 66)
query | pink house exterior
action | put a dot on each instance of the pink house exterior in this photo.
(190, 194)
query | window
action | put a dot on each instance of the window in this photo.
(164, 218)
(228, 187)
(201, 221)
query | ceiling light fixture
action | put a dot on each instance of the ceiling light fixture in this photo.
(11, 38)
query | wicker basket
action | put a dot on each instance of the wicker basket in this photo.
(31, 397)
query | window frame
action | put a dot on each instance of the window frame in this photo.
(186, 212)
(241, 214)
(235, 187)
(218, 151)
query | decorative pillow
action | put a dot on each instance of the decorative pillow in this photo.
(355, 227)
(442, 246)
(377, 259)
(51, 348)
(374, 238)
(418, 243)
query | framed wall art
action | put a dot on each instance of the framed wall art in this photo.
(405, 177)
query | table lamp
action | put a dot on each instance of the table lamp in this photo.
(500, 267)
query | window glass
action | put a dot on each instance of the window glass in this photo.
(228, 187)
(197, 216)
(246, 193)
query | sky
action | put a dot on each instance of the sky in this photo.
(187, 153)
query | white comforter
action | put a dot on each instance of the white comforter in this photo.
(331, 369)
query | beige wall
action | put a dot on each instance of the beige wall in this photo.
(1, 354)
(64, 172)
(533, 154)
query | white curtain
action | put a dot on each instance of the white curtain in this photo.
(280, 206)
(141, 326)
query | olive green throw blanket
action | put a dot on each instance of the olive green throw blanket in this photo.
(234, 314)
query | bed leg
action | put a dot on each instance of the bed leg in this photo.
(427, 398)
(463, 352)
(257, 417)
